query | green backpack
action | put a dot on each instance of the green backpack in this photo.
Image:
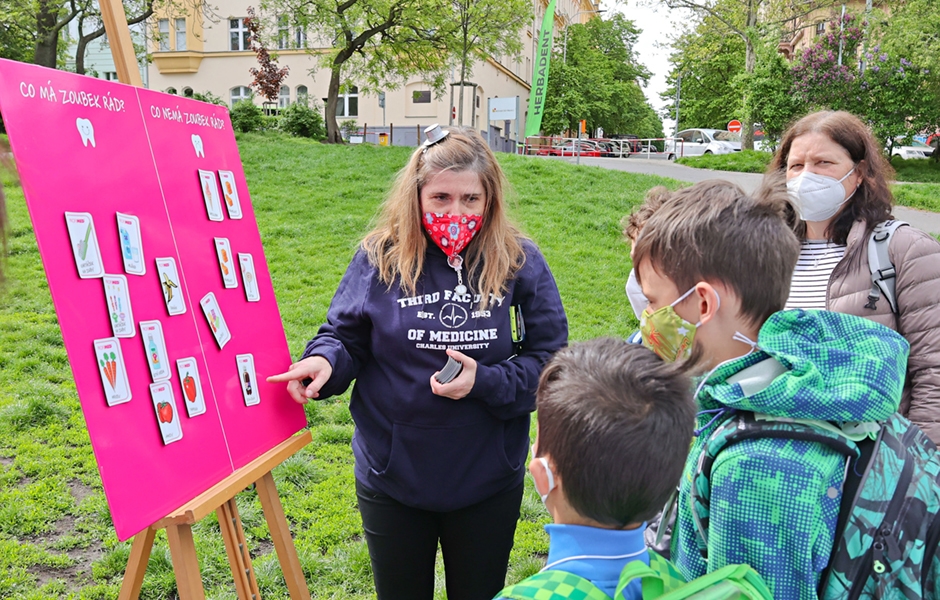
(658, 580)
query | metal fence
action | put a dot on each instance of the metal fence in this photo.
(413, 135)
(616, 148)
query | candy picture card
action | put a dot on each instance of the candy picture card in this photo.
(226, 262)
(230, 194)
(119, 305)
(164, 404)
(151, 333)
(84, 243)
(249, 277)
(170, 284)
(193, 397)
(248, 379)
(210, 308)
(117, 390)
(210, 194)
(132, 248)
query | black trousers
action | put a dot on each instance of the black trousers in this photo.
(475, 542)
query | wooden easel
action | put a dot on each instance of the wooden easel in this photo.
(221, 497)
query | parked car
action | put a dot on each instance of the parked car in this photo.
(696, 142)
(914, 150)
(630, 142)
(610, 148)
(569, 149)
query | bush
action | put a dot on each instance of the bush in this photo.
(348, 128)
(302, 121)
(210, 98)
(745, 161)
(246, 116)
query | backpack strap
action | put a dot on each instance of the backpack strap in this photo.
(657, 579)
(554, 584)
(883, 272)
(744, 426)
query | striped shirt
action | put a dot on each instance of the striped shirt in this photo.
(811, 276)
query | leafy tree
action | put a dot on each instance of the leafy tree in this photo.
(596, 78)
(374, 42)
(481, 27)
(91, 27)
(268, 77)
(17, 40)
(771, 102)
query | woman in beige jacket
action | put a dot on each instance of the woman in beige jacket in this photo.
(838, 179)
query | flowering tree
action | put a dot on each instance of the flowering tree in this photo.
(268, 78)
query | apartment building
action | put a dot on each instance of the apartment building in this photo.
(198, 53)
(802, 31)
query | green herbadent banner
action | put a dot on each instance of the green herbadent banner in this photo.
(540, 73)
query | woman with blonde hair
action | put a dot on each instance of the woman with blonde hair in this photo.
(444, 278)
(838, 180)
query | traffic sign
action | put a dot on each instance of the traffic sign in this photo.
(734, 126)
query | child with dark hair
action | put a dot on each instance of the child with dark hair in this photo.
(614, 426)
(716, 265)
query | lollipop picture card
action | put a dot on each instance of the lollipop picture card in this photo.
(84, 243)
(119, 306)
(132, 248)
(249, 277)
(248, 379)
(117, 390)
(230, 194)
(210, 308)
(223, 250)
(170, 284)
(210, 194)
(193, 396)
(151, 332)
(164, 405)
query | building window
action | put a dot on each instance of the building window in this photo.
(348, 103)
(820, 28)
(180, 35)
(240, 93)
(300, 37)
(171, 90)
(302, 94)
(283, 97)
(283, 32)
(421, 96)
(238, 35)
(110, 75)
(163, 35)
(188, 92)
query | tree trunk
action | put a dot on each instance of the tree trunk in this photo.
(747, 128)
(333, 135)
(47, 34)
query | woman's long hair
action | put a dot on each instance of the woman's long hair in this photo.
(872, 200)
(397, 245)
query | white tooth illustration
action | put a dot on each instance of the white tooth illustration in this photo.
(86, 130)
(197, 144)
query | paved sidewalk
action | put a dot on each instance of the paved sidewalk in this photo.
(922, 219)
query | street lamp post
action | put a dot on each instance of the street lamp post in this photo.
(564, 56)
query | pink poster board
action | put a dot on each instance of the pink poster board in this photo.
(137, 162)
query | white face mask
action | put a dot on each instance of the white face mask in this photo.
(635, 294)
(818, 197)
(548, 472)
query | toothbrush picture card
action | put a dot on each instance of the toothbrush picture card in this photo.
(248, 379)
(210, 308)
(210, 195)
(84, 243)
(132, 248)
(230, 194)
(151, 333)
(170, 284)
(223, 250)
(249, 277)
(117, 390)
(164, 405)
(119, 306)
(193, 397)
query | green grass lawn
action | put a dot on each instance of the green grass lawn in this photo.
(923, 170)
(918, 195)
(313, 204)
(745, 161)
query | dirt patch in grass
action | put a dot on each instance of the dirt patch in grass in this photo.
(80, 491)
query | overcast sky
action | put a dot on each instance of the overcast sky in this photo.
(657, 25)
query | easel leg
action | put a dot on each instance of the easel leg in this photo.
(280, 535)
(137, 564)
(246, 586)
(185, 562)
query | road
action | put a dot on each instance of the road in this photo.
(927, 221)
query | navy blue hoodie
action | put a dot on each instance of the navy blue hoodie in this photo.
(427, 451)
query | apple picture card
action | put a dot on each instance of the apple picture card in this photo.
(226, 262)
(117, 390)
(164, 404)
(188, 371)
(170, 284)
(210, 193)
(248, 379)
(119, 305)
(230, 194)
(84, 243)
(249, 277)
(132, 248)
(210, 308)
(151, 333)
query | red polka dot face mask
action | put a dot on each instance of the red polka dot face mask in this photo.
(451, 233)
